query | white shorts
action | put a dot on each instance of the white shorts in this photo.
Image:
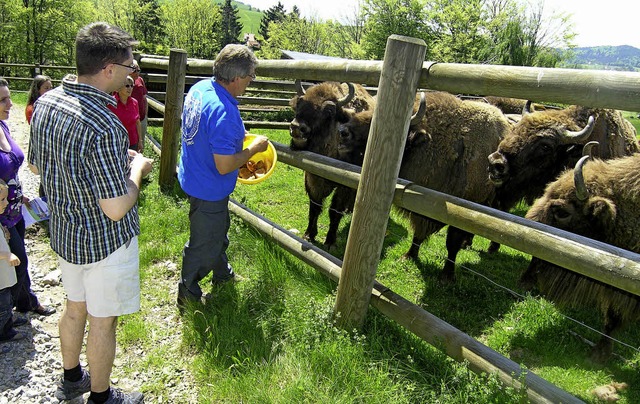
(110, 287)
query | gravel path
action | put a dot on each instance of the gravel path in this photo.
(30, 370)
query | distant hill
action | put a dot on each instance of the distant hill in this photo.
(623, 57)
(250, 17)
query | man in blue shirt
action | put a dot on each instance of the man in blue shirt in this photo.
(212, 153)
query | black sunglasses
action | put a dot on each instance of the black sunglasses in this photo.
(131, 66)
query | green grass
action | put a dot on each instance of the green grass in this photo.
(633, 118)
(271, 339)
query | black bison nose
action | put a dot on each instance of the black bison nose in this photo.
(344, 131)
(496, 159)
(298, 129)
(498, 166)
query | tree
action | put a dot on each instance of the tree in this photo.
(231, 26)
(523, 37)
(459, 29)
(148, 26)
(274, 14)
(194, 26)
(46, 29)
(10, 32)
(387, 17)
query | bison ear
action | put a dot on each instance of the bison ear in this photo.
(602, 211)
(294, 102)
(329, 109)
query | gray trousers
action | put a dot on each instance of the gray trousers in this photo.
(205, 252)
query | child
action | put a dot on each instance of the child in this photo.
(7, 279)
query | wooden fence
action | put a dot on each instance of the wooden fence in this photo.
(20, 75)
(601, 89)
(620, 90)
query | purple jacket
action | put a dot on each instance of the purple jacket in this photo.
(10, 163)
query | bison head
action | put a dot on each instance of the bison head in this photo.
(569, 205)
(353, 137)
(316, 112)
(536, 150)
(354, 133)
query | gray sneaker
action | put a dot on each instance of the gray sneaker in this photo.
(69, 390)
(117, 396)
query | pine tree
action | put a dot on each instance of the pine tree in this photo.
(148, 24)
(231, 26)
(274, 14)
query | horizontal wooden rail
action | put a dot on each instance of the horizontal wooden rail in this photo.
(266, 125)
(33, 66)
(423, 324)
(606, 263)
(595, 88)
(283, 102)
(155, 104)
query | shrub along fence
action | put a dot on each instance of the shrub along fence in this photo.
(618, 90)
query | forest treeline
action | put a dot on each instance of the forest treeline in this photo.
(507, 32)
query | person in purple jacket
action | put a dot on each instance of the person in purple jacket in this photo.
(11, 158)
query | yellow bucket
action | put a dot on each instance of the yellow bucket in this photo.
(268, 157)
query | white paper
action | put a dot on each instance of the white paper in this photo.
(37, 211)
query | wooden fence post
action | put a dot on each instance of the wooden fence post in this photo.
(173, 110)
(398, 82)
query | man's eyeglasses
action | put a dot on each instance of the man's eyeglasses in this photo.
(132, 66)
(252, 75)
(128, 85)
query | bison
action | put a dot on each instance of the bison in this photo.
(315, 129)
(599, 200)
(445, 151)
(545, 143)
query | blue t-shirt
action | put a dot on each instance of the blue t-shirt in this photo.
(211, 124)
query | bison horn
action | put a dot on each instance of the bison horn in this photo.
(299, 88)
(344, 100)
(581, 135)
(422, 109)
(582, 193)
(588, 147)
(527, 108)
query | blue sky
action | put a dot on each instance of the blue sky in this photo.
(595, 24)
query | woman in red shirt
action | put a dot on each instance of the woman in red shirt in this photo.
(127, 112)
(40, 85)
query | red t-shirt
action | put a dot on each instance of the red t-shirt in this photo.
(28, 111)
(128, 115)
(139, 93)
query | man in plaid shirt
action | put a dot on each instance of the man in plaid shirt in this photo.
(92, 181)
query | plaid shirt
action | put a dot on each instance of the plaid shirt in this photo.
(80, 148)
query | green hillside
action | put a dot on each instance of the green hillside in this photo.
(623, 57)
(249, 17)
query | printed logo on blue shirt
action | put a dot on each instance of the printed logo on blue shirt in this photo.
(191, 116)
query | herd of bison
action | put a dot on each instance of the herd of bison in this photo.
(494, 151)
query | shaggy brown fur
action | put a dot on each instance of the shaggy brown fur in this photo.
(507, 105)
(610, 215)
(446, 151)
(534, 152)
(315, 128)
